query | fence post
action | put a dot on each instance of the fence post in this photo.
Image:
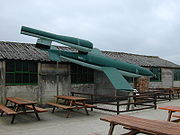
(170, 95)
(117, 107)
(134, 97)
(92, 102)
(155, 101)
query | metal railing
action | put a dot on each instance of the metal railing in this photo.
(119, 104)
(138, 101)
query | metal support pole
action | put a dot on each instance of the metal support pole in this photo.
(57, 78)
(115, 92)
(130, 106)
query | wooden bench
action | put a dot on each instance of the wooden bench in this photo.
(87, 105)
(141, 125)
(171, 110)
(7, 110)
(38, 109)
(176, 116)
(60, 106)
(63, 107)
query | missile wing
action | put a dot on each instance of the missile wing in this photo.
(120, 83)
(115, 76)
(87, 56)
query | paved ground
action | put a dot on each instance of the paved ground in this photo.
(77, 124)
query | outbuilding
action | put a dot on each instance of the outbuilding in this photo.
(27, 72)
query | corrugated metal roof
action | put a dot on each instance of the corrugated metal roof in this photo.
(21, 51)
(26, 51)
(142, 60)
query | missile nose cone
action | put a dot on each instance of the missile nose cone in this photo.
(150, 73)
(146, 72)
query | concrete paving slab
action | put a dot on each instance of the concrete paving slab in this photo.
(78, 123)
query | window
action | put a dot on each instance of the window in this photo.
(176, 74)
(157, 74)
(81, 75)
(21, 73)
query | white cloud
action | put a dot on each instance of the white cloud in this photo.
(149, 27)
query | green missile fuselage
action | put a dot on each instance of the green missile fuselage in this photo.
(87, 56)
(104, 61)
(84, 47)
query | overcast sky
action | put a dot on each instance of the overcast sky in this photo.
(147, 27)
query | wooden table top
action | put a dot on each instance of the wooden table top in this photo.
(171, 108)
(70, 97)
(145, 125)
(20, 101)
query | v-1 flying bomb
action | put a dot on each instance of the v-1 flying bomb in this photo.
(87, 56)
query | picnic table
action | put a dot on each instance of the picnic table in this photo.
(70, 103)
(140, 125)
(171, 109)
(20, 106)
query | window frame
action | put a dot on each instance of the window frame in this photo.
(176, 72)
(159, 76)
(78, 74)
(21, 72)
